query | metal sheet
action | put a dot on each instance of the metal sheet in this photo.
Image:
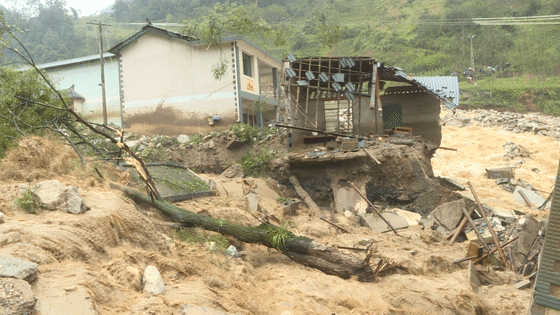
(546, 275)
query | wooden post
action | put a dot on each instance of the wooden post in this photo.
(494, 237)
(480, 237)
(102, 62)
(460, 228)
(374, 209)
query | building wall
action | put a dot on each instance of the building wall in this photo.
(86, 78)
(169, 88)
(251, 84)
(420, 112)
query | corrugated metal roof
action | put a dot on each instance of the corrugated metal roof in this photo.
(68, 62)
(547, 274)
(445, 88)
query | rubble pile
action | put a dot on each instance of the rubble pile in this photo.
(514, 150)
(536, 123)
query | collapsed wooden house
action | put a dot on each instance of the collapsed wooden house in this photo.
(363, 96)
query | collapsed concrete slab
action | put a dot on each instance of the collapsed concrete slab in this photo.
(449, 215)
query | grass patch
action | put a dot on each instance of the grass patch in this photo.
(201, 237)
(258, 164)
(27, 203)
(247, 133)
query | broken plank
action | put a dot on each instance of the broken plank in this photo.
(335, 225)
(371, 156)
(374, 208)
(305, 196)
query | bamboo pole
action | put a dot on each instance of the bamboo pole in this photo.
(494, 237)
(374, 209)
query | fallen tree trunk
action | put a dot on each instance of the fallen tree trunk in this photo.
(299, 248)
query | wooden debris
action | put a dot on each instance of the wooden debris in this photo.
(335, 225)
(480, 237)
(445, 148)
(374, 208)
(305, 196)
(489, 225)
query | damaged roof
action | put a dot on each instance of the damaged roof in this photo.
(360, 69)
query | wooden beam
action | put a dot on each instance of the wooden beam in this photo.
(305, 196)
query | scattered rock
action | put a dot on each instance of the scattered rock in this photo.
(183, 139)
(290, 207)
(232, 251)
(11, 267)
(500, 172)
(152, 281)
(16, 297)
(514, 150)
(10, 238)
(1, 217)
(212, 184)
(236, 170)
(73, 202)
(456, 121)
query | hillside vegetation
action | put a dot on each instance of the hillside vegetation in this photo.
(424, 37)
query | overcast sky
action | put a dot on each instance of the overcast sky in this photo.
(88, 7)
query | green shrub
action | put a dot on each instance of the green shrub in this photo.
(246, 133)
(256, 165)
(27, 203)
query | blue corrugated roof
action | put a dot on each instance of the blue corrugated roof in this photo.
(68, 62)
(445, 88)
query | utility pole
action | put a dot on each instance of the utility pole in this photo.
(472, 55)
(103, 95)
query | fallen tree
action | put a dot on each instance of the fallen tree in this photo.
(301, 249)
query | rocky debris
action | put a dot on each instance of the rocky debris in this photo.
(234, 144)
(472, 275)
(201, 310)
(456, 120)
(513, 150)
(152, 281)
(182, 139)
(11, 267)
(536, 123)
(232, 251)
(16, 297)
(448, 215)
(398, 218)
(234, 171)
(528, 234)
(1, 217)
(500, 172)
(54, 195)
(290, 207)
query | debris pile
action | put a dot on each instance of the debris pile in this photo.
(514, 150)
(536, 123)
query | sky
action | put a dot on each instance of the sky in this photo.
(88, 7)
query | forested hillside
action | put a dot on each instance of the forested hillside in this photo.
(424, 37)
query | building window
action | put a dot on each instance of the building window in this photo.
(247, 65)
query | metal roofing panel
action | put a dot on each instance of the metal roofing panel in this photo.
(546, 275)
(446, 87)
(68, 62)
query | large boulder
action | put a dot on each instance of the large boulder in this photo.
(54, 195)
(16, 297)
(11, 267)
